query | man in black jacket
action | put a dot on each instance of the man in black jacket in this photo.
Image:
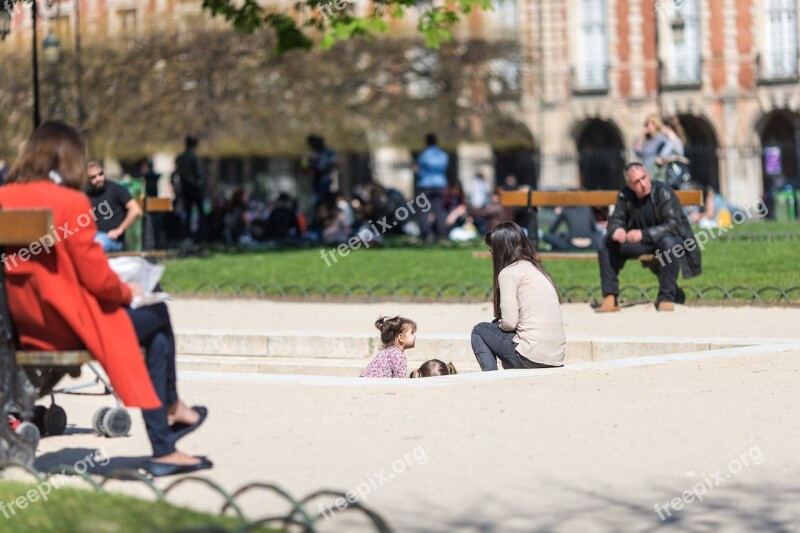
(647, 219)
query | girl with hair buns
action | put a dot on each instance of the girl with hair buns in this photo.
(527, 331)
(397, 335)
(433, 368)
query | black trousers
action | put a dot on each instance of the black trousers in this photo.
(154, 331)
(193, 196)
(612, 256)
(436, 199)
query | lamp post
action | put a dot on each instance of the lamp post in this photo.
(51, 49)
(37, 116)
(49, 56)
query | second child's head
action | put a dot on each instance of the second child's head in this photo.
(432, 368)
(397, 331)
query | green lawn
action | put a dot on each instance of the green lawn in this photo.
(727, 262)
(88, 511)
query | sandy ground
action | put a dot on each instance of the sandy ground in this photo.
(589, 449)
(579, 319)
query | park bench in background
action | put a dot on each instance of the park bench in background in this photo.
(534, 199)
(150, 204)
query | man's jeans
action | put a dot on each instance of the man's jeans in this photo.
(108, 244)
(612, 256)
(436, 199)
(490, 343)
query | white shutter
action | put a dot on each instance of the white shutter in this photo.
(684, 69)
(593, 61)
(780, 53)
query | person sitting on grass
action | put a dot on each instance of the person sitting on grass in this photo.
(69, 298)
(527, 331)
(432, 368)
(398, 334)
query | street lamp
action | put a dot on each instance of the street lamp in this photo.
(51, 49)
(678, 26)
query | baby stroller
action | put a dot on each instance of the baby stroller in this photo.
(107, 421)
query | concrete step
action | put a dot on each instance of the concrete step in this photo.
(455, 348)
(321, 366)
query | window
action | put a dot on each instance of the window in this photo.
(779, 56)
(423, 63)
(506, 14)
(684, 65)
(126, 19)
(591, 73)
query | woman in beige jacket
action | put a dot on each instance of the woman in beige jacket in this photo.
(527, 331)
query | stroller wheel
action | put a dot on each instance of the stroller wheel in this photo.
(29, 433)
(55, 420)
(97, 420)
(116, 422)
(38, 417)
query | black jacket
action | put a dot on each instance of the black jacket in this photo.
(670, 221)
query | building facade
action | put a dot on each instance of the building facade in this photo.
(728, 69)
(589, 73)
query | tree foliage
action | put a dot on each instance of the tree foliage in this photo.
(143, 96)
(327, 21)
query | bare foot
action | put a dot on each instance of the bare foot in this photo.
(177, 458)
(180, 413)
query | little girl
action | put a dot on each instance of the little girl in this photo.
(397, 335)
(432, 368)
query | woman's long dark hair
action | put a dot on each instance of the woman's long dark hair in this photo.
(53, 146)
(509, 244)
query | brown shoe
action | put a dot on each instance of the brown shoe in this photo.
(609, 305)
(665, 306)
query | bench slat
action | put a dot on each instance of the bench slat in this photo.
(24, 226)
(156, 204)
(569, 256)
(581, 198)
(65, 358)
(156, 254)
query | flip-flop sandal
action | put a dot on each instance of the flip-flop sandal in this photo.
(180, 430)
(157, 469)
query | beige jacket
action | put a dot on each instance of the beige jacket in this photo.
(529, 305)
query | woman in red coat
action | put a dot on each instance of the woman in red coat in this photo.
(63, 295)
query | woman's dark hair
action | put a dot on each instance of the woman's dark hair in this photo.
(509, 244)
(53, 146)
(434, 367)
(391, 328)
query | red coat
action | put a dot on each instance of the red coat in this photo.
(67, 297)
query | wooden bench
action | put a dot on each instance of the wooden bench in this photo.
(155, 204)
(533, 199)
(149, 205)
(26, 375)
